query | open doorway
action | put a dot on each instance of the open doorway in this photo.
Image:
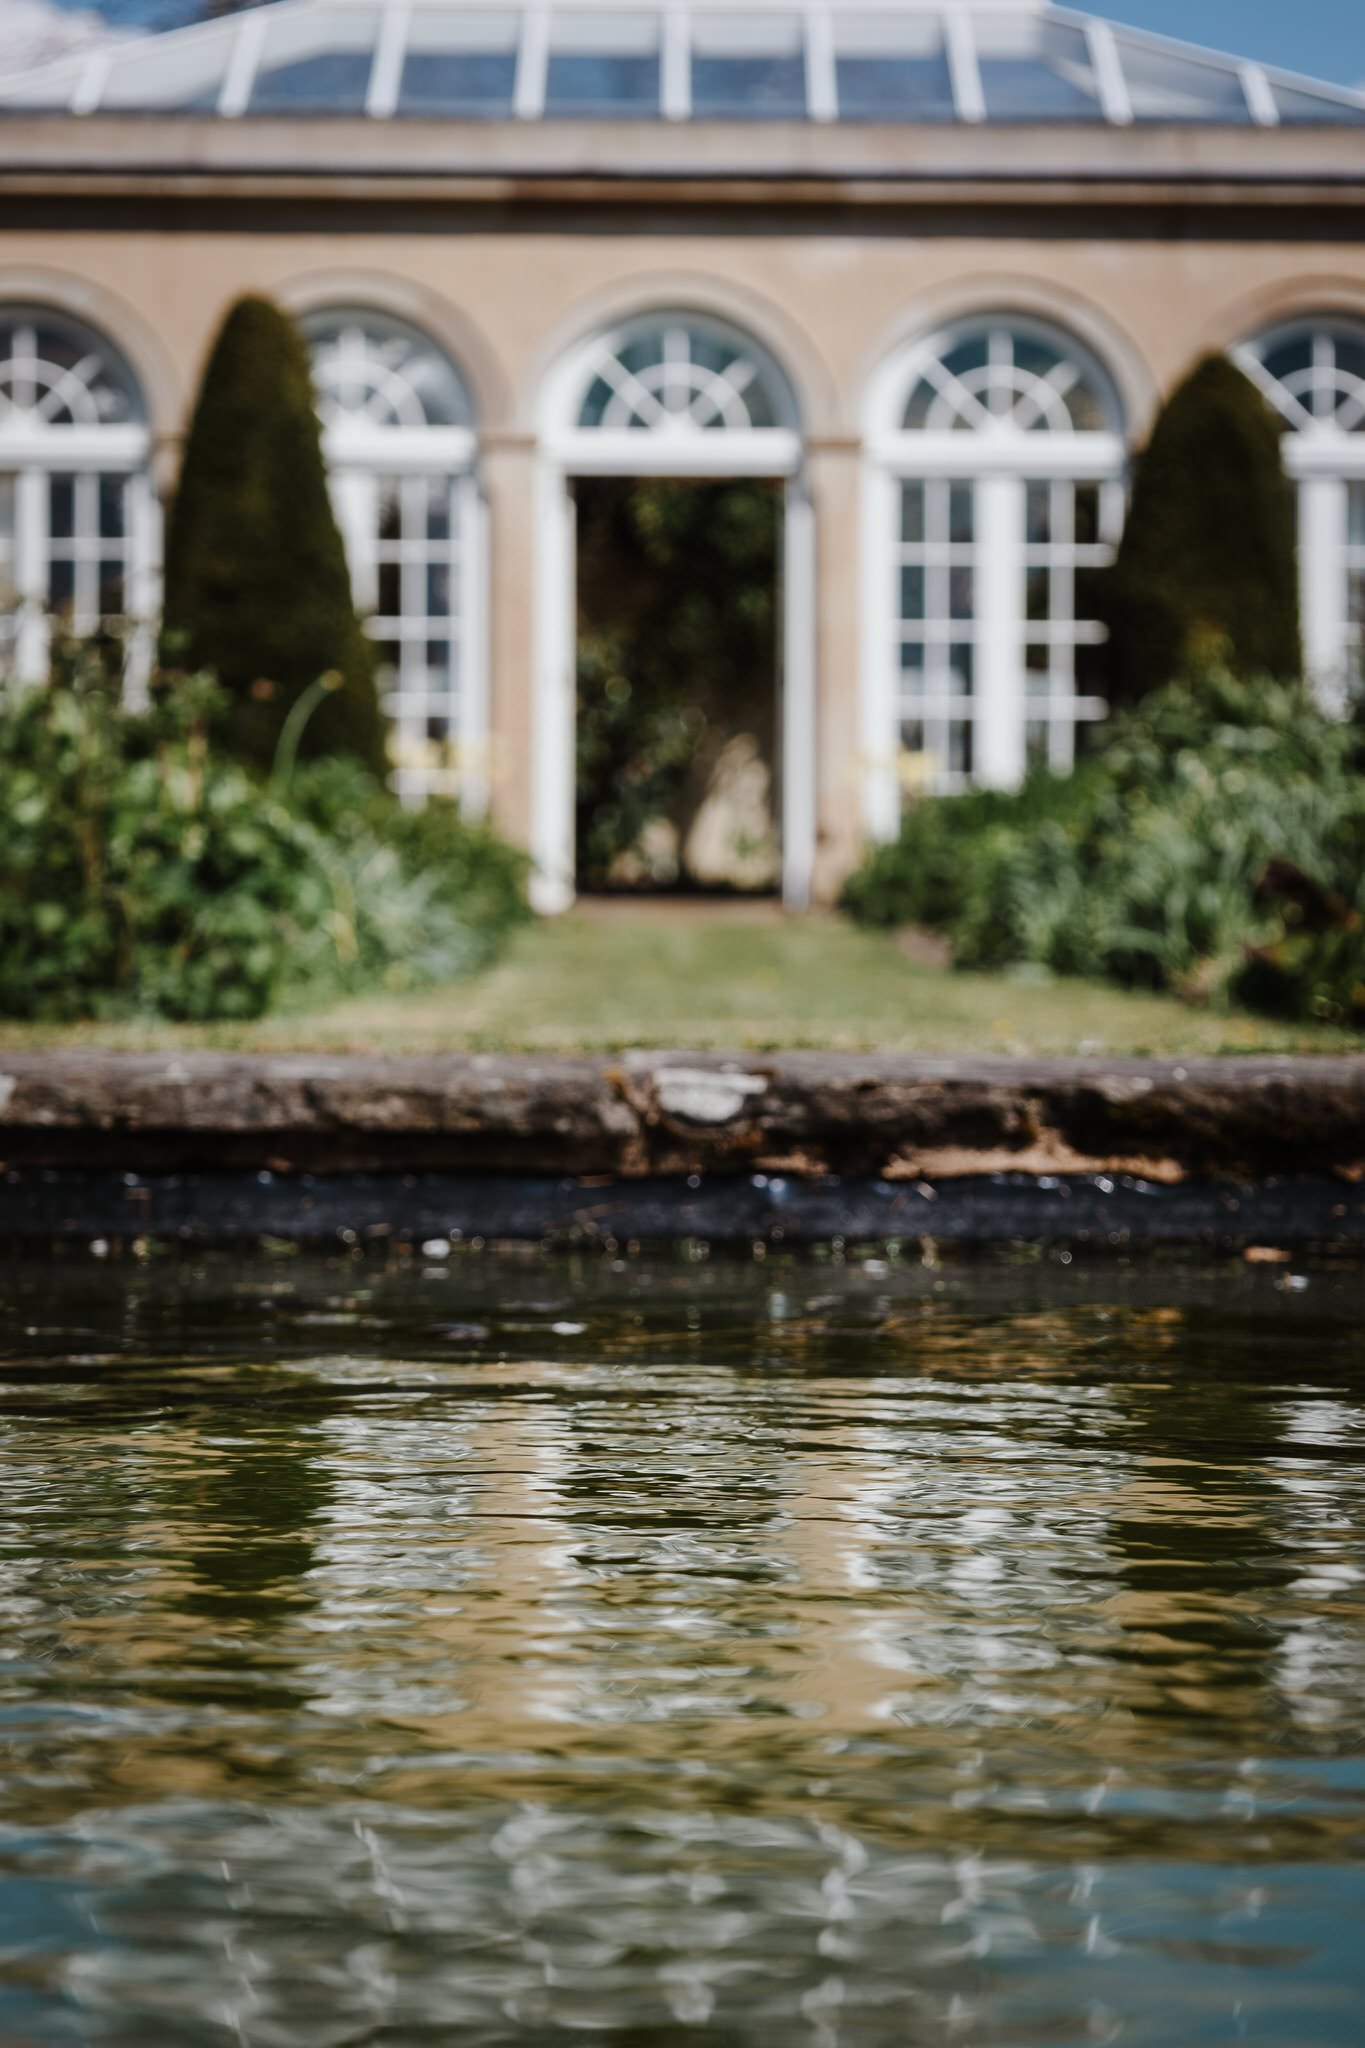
(678, 652)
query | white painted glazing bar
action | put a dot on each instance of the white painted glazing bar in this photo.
(798, 703)
(1083, 456)
(676, 67)
(1322, 587)
(555, 683)
(241, 68)
(532, 61)
(1000, 739)
(879, 725)
(90, 83)
(387, 73)
(1259, 98)
(1113, 86)
(822, 97)
(765, 451)
(473, 706)
(31, 497)
(960, 43)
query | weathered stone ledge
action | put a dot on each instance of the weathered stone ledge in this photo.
(639, 1115)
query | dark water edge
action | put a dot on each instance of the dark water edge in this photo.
(826, 1648)
(1095, 1212)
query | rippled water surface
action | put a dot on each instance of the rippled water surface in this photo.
(524, 1650)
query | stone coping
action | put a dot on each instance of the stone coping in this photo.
(639, 1116)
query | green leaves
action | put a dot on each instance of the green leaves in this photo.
(677, 652)
(144, 872)
(1144, 867)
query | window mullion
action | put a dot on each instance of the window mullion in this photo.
(1000, 749)
(31, 574)
(1323, 503)
(141, 593)
(471, 651)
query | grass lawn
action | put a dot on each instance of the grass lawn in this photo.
(609, 976)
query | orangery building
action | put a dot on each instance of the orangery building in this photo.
(927, 268)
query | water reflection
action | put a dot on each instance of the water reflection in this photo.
(853, 1657)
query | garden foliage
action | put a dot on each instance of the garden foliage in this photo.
(677, 650)
(257, 588)
(143, 871)
(1207, 560)
(1214, 846)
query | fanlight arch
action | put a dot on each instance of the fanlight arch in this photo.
(398, 431)
(997, 451)
(673, 389)
(681, 375)
(1007, 374)
(1312, 371)
(374, 370)
(77, 515)
(55, 372)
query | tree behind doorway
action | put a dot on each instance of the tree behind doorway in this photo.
(677, 689)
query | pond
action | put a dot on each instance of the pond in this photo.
(525, 1648)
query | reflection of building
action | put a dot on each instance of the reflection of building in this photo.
(930, 267)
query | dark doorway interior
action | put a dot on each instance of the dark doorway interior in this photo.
(677, 685)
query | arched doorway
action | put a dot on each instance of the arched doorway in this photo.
(78, 516)
(668, 394)
(400, 442)
(996, 461)
(1313, 373)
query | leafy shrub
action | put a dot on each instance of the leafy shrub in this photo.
(257, 588)
(463, 864)
(1207, 559)
(143, 871)
(1215, 846)
(677, 651)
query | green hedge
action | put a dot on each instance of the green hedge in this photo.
(1207, 562)
(257, 588)
(1214, 846)
(144, 871)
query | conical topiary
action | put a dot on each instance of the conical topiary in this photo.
(256, 581)
(1207, 563)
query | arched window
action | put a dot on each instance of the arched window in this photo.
(77, 538)
(675, 392)
(1313, 373)
(398, 431)
(1001, 457)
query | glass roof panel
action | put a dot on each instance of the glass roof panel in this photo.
(317, 60)
(604, 64)
(47, 92)
(748, 67)
(187, 76)
(1033, 69)
(905, 61)
(1298, 108)
(890, 68)
(1166, 85)
(462, 66)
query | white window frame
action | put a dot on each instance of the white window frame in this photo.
(671, 445)
(1323, 458)
(1000, 459)
(361, 454)
(33, 452)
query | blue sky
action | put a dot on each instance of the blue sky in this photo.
(1325, 38)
